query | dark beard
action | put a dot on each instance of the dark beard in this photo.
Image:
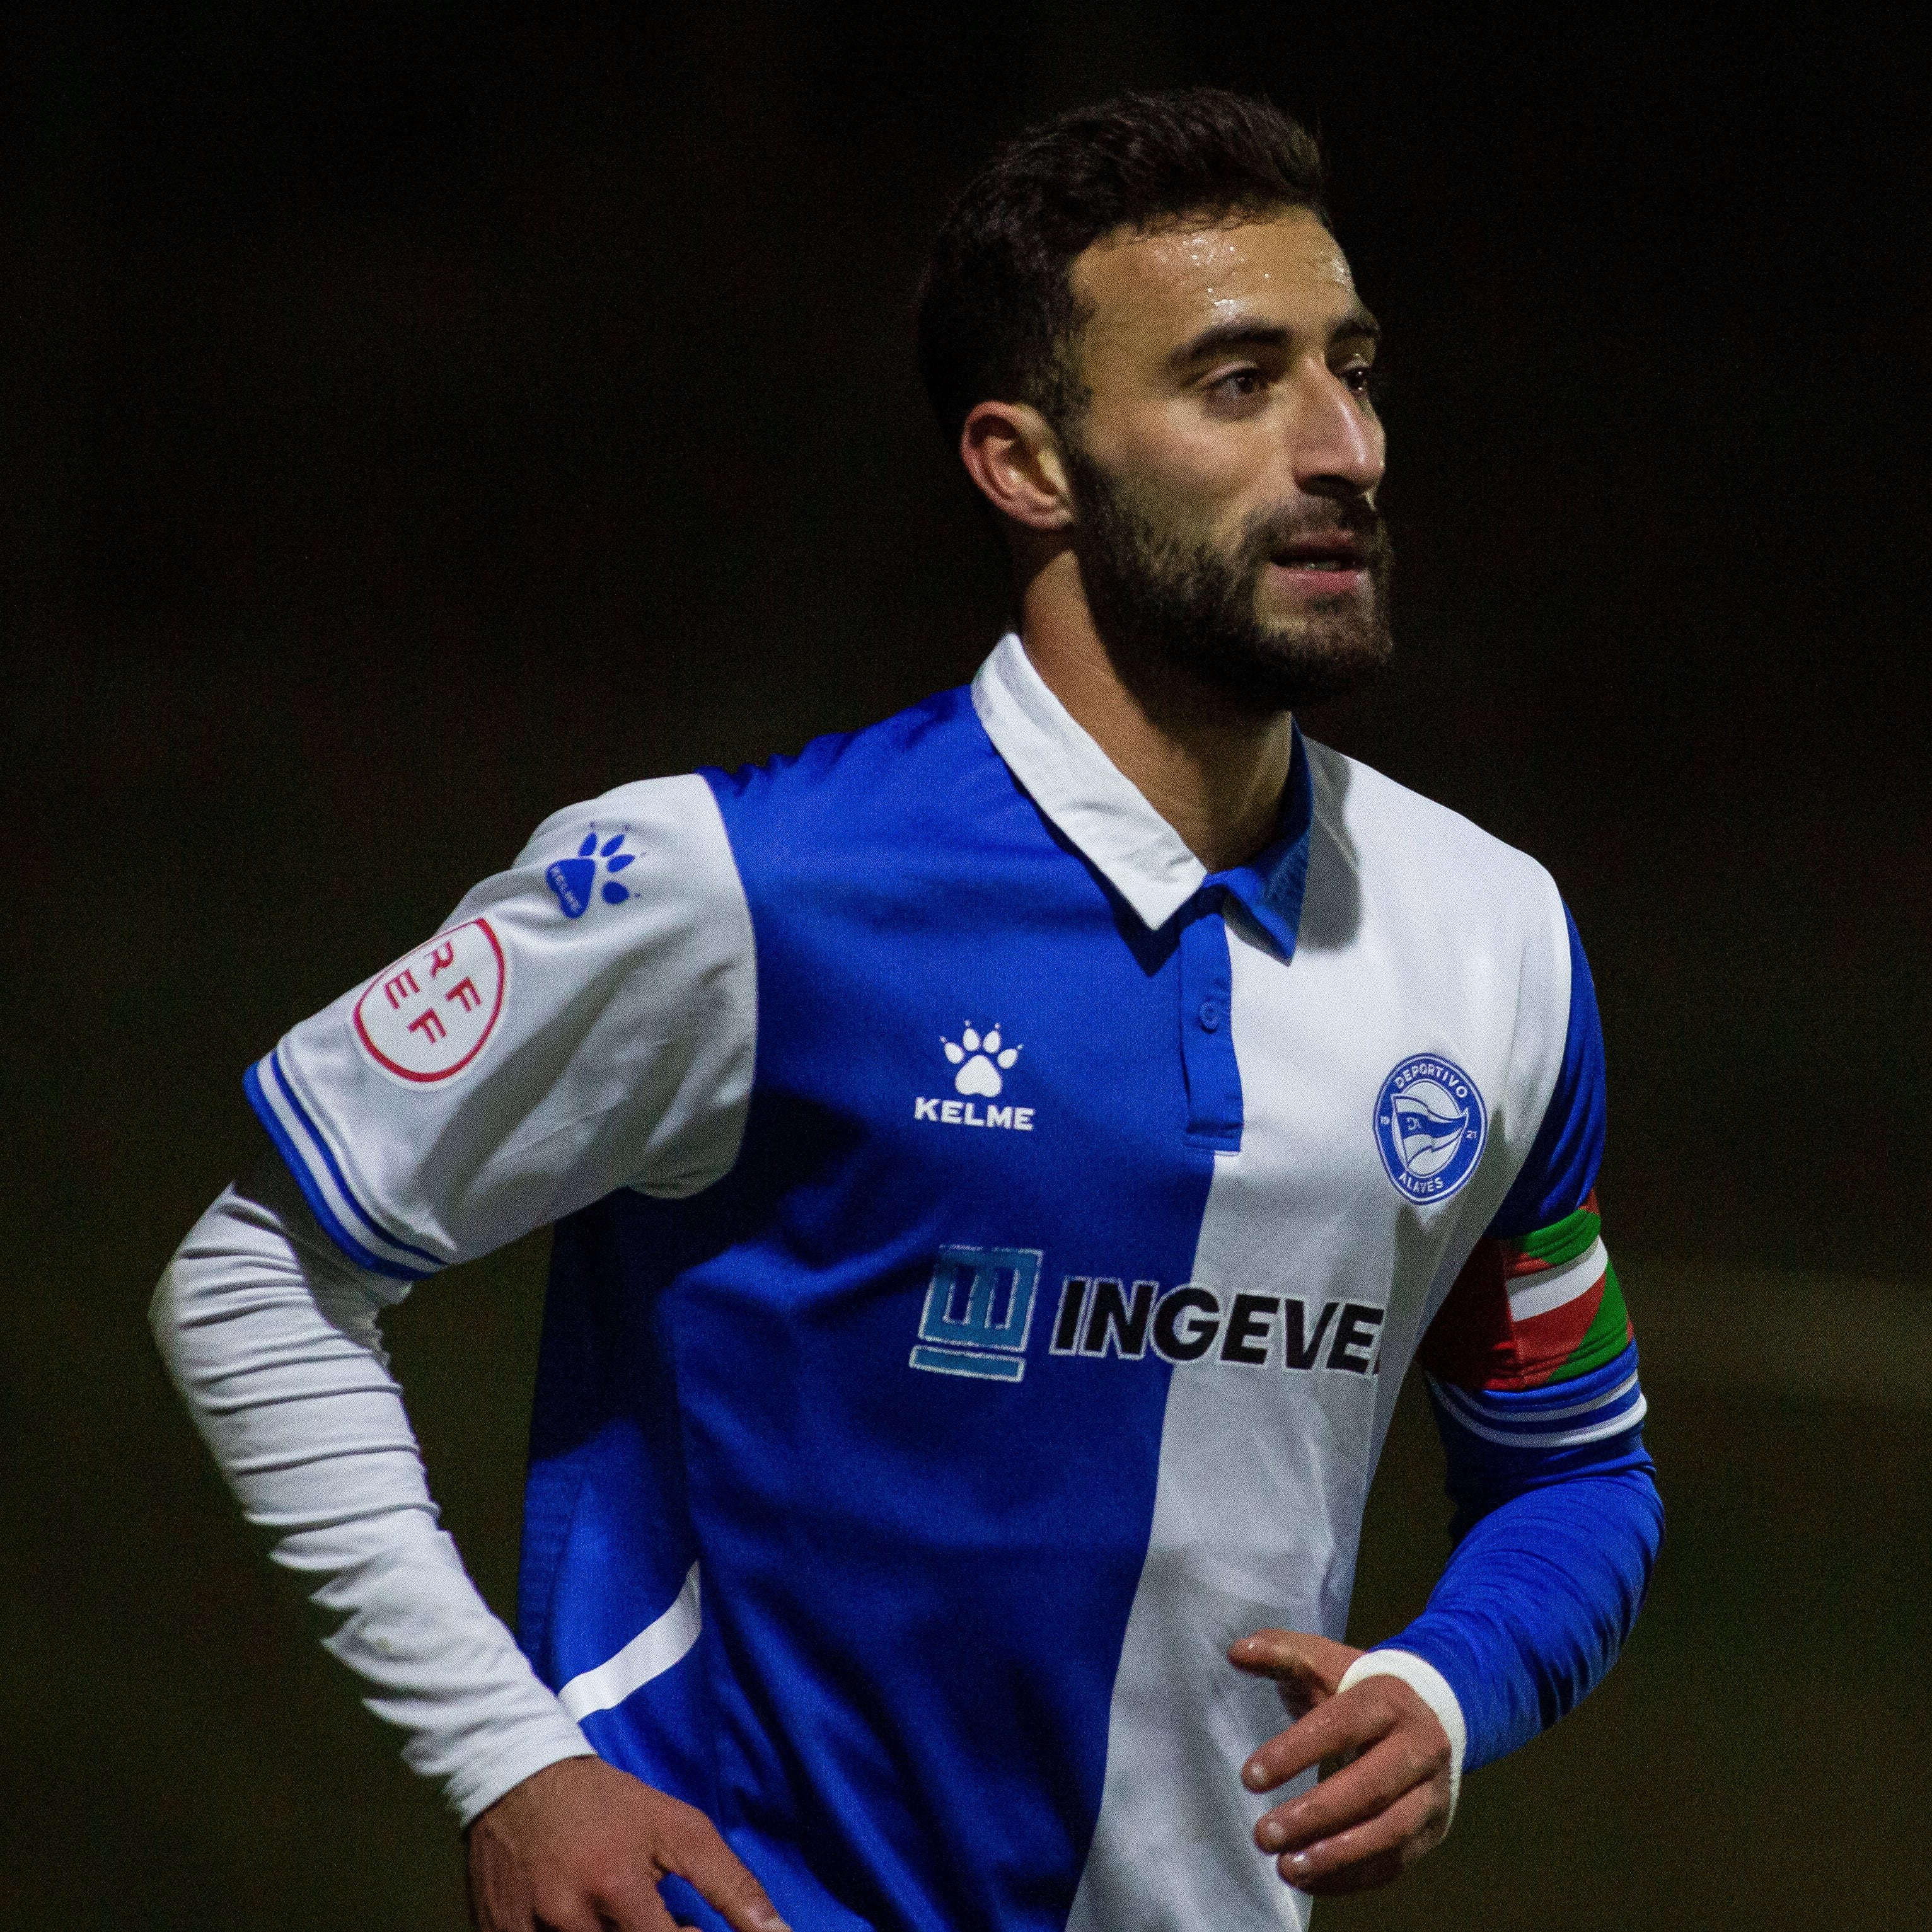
(1162, 605)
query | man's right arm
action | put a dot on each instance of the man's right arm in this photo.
(585, 1021)
(272, 1339)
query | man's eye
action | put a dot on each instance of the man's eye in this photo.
(1238, 385)
(1360, 377)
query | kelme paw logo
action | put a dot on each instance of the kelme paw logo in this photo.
(979, 1075)
(573, 880)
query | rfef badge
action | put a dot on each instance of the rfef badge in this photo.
(428, 1016)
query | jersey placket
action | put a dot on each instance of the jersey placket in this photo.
(1207, 1061)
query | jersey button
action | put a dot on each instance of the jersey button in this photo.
(1209, 1015)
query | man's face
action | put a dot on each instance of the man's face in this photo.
(1226, 467)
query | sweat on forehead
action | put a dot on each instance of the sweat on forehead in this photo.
(1189, 275)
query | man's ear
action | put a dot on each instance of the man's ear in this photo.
(1011, 453)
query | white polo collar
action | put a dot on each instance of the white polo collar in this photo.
(1082, 790)
(1100, 809)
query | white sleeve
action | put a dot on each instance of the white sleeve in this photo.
(585, 1021)
(271, 1338)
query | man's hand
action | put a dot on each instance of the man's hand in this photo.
(1384, 1797)
(580, 1847)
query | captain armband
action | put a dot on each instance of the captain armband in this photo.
(1534, 1349)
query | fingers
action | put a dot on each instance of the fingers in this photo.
(1374, 1782)
(618, 1900)
(1365, 1823)
(1336, 1729)
(645, 1915)
(640, 1911)
(697, 1853)
(580, 1847)
(501, 1900)
(1375, 1852)
(1305, 1667)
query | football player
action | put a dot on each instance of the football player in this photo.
(1003, 1162)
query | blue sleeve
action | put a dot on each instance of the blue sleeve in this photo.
(1558, 1519)
(1554, 1548)
(1568, 1149)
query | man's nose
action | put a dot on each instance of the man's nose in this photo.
(1338, 447)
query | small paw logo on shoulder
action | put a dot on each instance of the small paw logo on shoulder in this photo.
(984, 1060)
(1430, 1126)
(573, 880)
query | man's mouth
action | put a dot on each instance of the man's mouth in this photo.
(1329, 554)
(1320, 567)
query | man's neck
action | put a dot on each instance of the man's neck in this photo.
(1213, 770)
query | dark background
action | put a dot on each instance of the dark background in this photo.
(411, 425)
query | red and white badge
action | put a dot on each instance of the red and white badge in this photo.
(429, 1014)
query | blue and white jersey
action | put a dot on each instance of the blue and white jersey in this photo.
(988, 1248)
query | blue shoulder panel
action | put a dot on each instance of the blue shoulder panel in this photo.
(1561, 1169)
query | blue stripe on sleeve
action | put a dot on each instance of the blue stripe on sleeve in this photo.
(1556, 1179)
(1496, 1427)
(1555, 1546)
(320, 1141)
(331, 1222)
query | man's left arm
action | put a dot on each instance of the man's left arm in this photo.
(1532, 1369)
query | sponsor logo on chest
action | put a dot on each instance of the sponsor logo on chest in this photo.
(978, 1311)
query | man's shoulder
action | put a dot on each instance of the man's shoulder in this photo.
(851, 809)
(1389, 834)
(821, 795)
(900, 750)
(657, 838)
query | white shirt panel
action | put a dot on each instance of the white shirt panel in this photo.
(1419, 933)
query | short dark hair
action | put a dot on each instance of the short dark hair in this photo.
(996, 310)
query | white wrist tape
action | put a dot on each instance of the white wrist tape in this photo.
(1432, 1687)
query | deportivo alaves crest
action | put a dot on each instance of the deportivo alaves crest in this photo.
(1430, 1125)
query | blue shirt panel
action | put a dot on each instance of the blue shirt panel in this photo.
(1270, 888)
(915, 1584)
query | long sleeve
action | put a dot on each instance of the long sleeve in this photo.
(1537, 1600)
(271, 1337)
(584, 1022)
(1532, 1368)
